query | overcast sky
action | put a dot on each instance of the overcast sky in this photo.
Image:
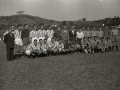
(63, 9)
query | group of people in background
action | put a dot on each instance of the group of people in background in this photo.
(41, 43)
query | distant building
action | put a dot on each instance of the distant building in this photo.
(54, 25)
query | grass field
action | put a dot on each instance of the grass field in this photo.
(69, 72)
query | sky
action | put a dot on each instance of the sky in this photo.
(62, 10)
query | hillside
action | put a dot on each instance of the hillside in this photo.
(5, 21)
(24, 19)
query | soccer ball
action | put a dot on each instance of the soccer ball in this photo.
(27, 52)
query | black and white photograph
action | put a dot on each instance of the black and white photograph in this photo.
(59, 44)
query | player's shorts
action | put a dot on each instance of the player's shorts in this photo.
(48, 40)
(114, 39)
(41, 38)
(26, 41)
(18, 41)
(73, 42)
(28, 52)
(79, 41)
(34, 39)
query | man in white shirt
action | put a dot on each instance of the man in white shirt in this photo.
(52, 47)
(34, 34)
(49, 34)
(79, 37)
(42, 32)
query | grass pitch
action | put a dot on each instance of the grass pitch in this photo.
(99, 71)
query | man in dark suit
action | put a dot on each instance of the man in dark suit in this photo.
(9, 41)
(72, 36)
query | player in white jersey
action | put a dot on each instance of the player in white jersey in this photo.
(34, 34)
(18, 40)
(42, 32)
(44, 48)
(33, 49)
(52, 47)
(49, 34)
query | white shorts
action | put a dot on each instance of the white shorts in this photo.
(28, 52)
(34, 39)
(18, 41)
(41, 38)
(48, 40)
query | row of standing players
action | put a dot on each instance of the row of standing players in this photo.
(63, 41)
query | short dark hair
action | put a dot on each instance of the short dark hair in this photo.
(40, 39)
(11, 25)
(18, 25)
(35, 40)
(34, 25)
(25, 25)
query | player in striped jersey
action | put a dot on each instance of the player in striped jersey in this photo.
(34, 34)
(33, 49)
(44, 47)
(18, 40)
(52, 47)
(42, 32)
(60, 47)
(49, 34)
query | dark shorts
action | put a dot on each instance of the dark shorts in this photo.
(73, 42)
(79, 41)
(26, 41)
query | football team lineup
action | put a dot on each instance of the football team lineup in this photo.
(42, 43)
(59, 44)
